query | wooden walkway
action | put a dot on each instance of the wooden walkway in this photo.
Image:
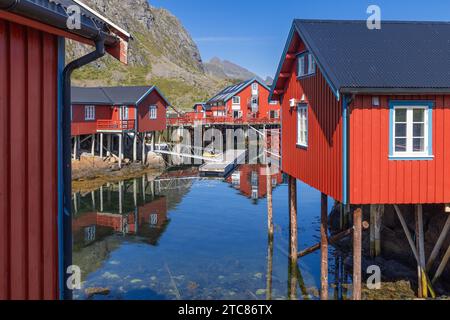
(223, 164)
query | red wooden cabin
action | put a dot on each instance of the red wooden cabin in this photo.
(245, 101)
(364, 121)
(363, 111)
(118, 109)
(33, 170)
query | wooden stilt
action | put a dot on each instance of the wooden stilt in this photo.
(324, 248)
(420, 245)
(75, 202)
(135, 192)
(293, 219)
(144, 150)
(120, 150)
(376, 212)
(153, 141)
(143, 189)
(121, 197)
(357, 251)
(269, 202)
(101, 145)
(135, 142)
(93, 146)
(108, 145)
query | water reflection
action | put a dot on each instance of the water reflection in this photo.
(185, 237)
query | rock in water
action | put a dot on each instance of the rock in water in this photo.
(90, 292)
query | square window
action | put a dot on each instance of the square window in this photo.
(411, 130)
(236, 100)
(153, 112)
(89, 113)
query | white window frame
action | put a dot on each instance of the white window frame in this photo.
(311, 64)
(124, 113)
(236, 100)
(89, 113)
(153, 112)
(301, 70)
(302, 125)
(255, 86)
(273, 102)
(410, 153)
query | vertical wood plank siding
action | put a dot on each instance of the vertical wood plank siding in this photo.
(319, 165)
(28, 168)
(374, 178)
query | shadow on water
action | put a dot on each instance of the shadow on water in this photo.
(184, 237)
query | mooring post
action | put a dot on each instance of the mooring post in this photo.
(269, 268)
(357, 251)
(269, 201)
(293, 219)
(324, 247)
(420, 246)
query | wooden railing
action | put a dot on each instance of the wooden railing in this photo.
(188, 120)
(115, 125)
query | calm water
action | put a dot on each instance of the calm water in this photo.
(193, 238)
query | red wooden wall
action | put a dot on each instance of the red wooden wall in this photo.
(84, 127)
(28, 163)
(319, 165)
(376, 179)
(144, 122)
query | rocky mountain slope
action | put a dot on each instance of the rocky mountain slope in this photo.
(224, 69)
(162, 53)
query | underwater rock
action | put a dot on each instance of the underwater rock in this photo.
(258, 275)
(136, 281)
(260, 292)
(109, 275)
(90, 292)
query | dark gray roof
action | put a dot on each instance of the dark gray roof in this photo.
(112, 95)
(230, 91)
(402, 56)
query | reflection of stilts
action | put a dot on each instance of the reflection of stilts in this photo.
(324, 248)
(269, 268)
(293, 238)
(292, 280)
(101, 199)
(121, 197)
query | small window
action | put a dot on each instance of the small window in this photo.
(254, 101)
(254, 86)
(274, 114)
(236, 100)
(311, 64)
(410, 131)
(302, 125)
(301, 66)
(89, 113)
(153, 112)
(124, 113)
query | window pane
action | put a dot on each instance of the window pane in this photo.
(418, 144)
(400, 115)
(400, 130)
(400, 145)
(419, 115)
(419, 130)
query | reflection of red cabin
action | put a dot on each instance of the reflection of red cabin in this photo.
(117, 109)
(244, 101)
(251, 180)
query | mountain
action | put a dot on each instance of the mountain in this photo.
(223, 69)
(162, 53)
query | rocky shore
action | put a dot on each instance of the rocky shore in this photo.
(90, 173)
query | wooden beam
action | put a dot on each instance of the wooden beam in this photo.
(412, 245)
(357, 252)
(324, 247)
(101, 145)
(375, 230)
(442, 265)
(291, 56)
(439, 243)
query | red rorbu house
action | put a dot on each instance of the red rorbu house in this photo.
(35, 169)
(247, 101)
(114, 113)
(363, 120)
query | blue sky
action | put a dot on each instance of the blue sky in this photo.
(252, 33)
